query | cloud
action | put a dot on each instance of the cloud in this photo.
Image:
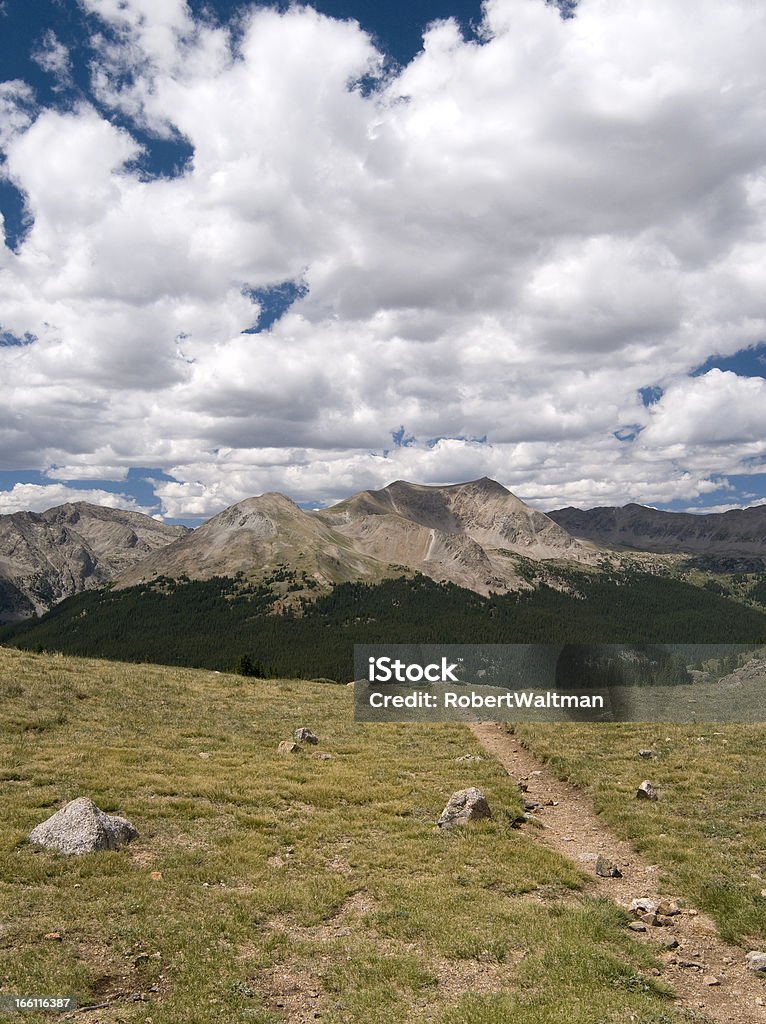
(53, 56)
(509, 237)
(40, 497)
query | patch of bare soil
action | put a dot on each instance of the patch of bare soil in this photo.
(708, 975)
(292, 993)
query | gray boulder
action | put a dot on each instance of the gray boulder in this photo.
(304, 735)
(464, 806)
(81, 827)
(288, 747)
(607, 868)
(647, 791)
(756, 960)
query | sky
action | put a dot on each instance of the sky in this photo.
(316, 249)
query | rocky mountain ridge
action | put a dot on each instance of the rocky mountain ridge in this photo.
(47, 556)
(476, 534)
(738, 532)
(470, 534)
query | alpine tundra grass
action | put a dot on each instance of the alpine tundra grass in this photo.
(270, 888)
(708, 828)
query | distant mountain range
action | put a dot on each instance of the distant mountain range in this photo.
(638, 528)
(477, 535)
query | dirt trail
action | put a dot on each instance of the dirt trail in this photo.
(574, 830)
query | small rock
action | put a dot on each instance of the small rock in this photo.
(643, 905)
(711, 980)
(303, 735)
(322, 755)
(663, 922)
(637, 926)
(694, 965)
(81, 827)
(668, 908)
(763, 892)
(651, 919)
(53, 936)
(646, 791)
(671, 942)
(756, 960)
(288, 747)
(464, 806)
(693, 913)
(606, 868)
(647, 753)
(468, 758)
(523, 787)
(204, 754)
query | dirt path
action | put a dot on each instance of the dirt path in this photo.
(709, 976)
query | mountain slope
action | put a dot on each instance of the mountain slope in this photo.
(258, 537)
(463, 534)
(737, 532)
(47, 556)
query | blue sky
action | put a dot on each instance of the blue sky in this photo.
(316, 249)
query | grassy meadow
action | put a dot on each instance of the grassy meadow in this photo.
(271, 888)
(707, 830)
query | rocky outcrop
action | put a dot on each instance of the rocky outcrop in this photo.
(81, 827)
(47, 556)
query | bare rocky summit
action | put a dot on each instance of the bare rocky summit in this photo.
(470, 534)
(47, 556)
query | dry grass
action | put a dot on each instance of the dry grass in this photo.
(289, 886)
(707, 830)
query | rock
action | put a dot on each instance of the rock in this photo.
(322, 755)
(648, 753)
(756, 960)
(469, 758)
(651, 919)
(637, 926)
(663, 922)
(668, 908)
(646, 791)
(711, 980)
(80, 827)
(606, 868)
(306, 736)
(53, 936)
(464, 806)
(671, 942)
(288, 747)
(643, 905)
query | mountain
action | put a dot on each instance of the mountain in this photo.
(739, 532)
(259, 537)
(470, 534)
(47, 556)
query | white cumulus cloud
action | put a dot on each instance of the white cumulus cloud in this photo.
(502, 242)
